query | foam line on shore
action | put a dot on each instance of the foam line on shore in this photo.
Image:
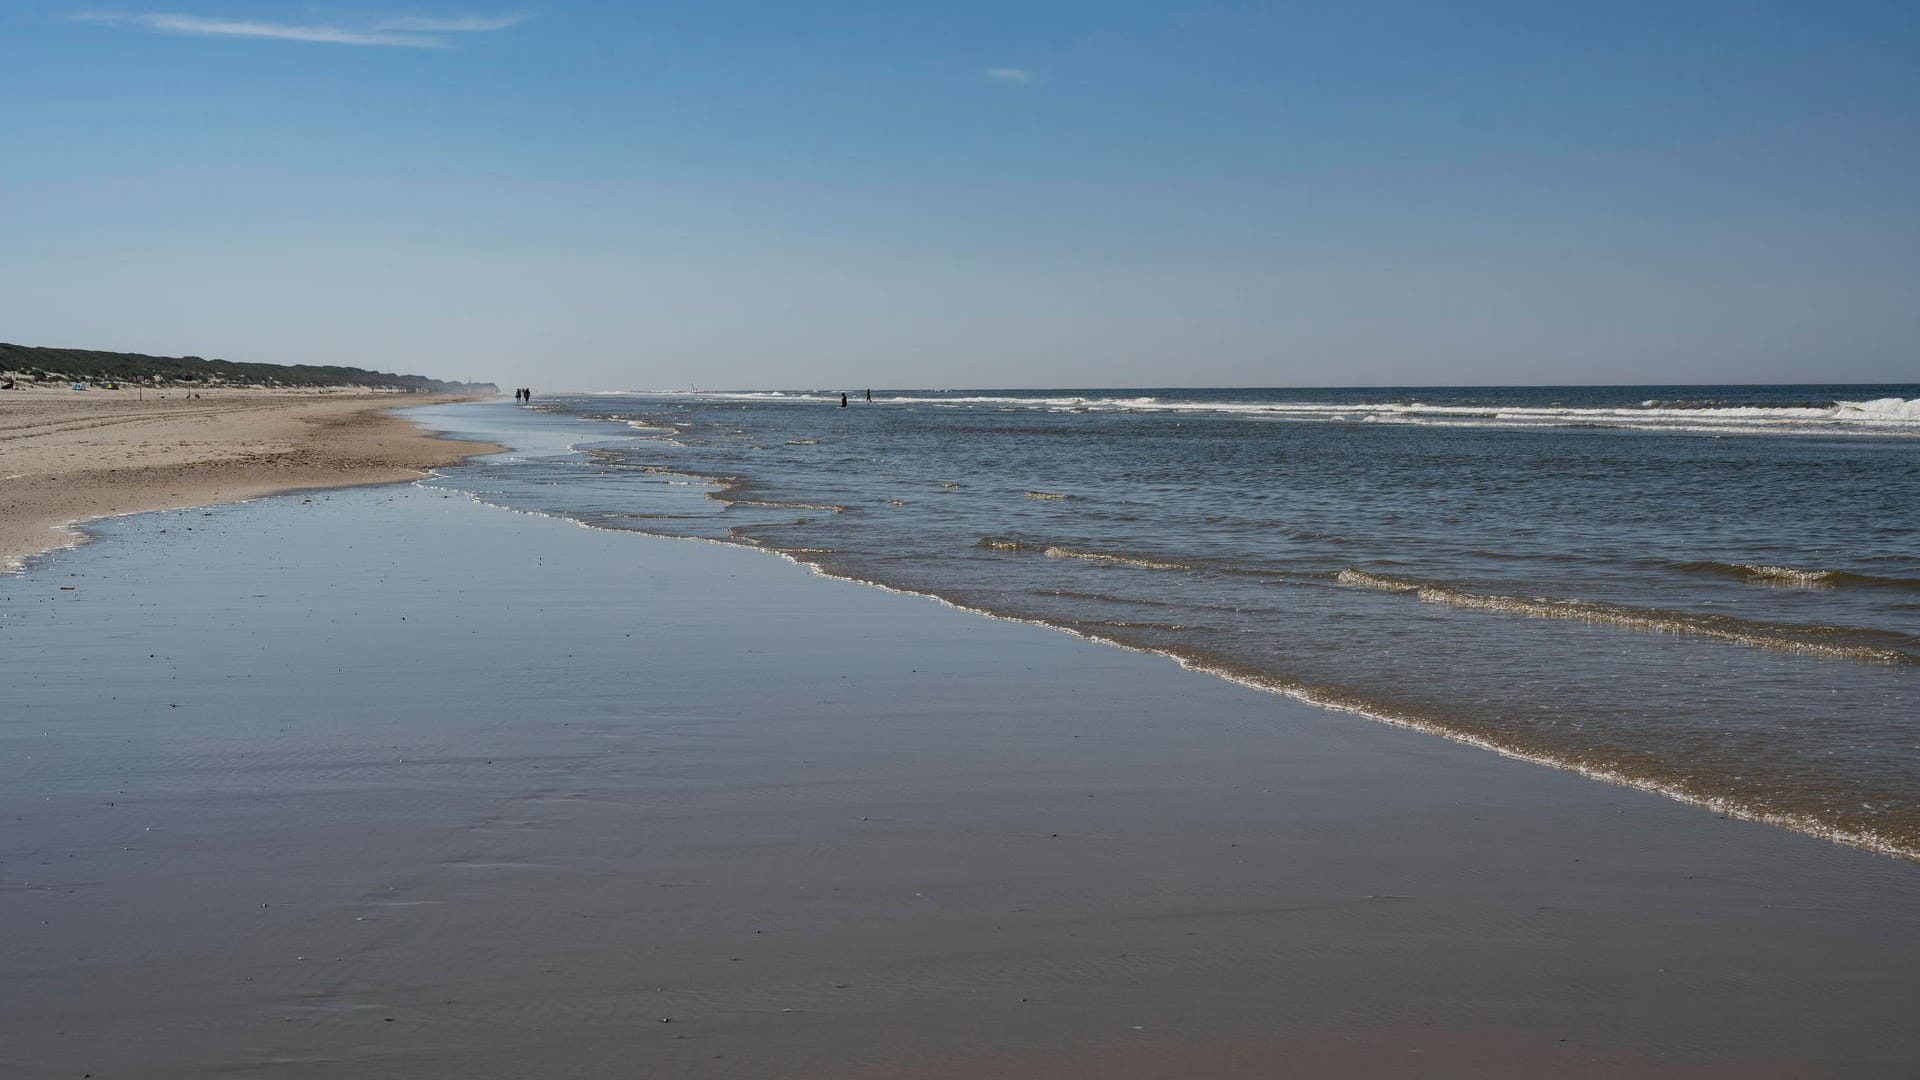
(1868, 840)
(1806, 640)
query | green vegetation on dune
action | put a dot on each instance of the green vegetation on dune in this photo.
(90, 365)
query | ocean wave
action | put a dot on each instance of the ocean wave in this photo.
(775, 504)
(1882, 409)
(1350, 576)
(1140, 561)
(1886, 416)
(1057, 552)
(1788, 575)
(1832, 642)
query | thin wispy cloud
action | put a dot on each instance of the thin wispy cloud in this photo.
(459, 24)
(1009, 75)
(404, 33)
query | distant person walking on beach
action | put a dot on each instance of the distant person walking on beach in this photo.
(869, 395)
(843, 401)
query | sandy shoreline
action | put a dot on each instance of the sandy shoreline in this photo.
(68, 457)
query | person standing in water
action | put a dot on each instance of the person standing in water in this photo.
(843, 401)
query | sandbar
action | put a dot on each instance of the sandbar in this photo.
(68, 456)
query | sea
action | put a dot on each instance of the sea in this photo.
(1710, 592)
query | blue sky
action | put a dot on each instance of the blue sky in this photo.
(975, 194)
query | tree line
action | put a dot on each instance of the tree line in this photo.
(95, 366)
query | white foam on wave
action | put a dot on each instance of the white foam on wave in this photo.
(1057, 552)
(1891, 410)
(1880, 416)
(1821, 641)
(1789, 574)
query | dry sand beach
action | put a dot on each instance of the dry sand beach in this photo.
(391, 783)
(69, 456)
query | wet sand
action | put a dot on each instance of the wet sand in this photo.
(392, 784)
(69, 456)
